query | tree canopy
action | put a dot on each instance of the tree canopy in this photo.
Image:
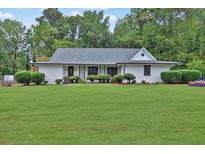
(169, 34)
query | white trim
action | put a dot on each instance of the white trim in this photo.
(145, 50)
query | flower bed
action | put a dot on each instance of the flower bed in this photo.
(197, 83)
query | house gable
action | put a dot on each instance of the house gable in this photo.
(143, 54)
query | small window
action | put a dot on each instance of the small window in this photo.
(147, 70)
(112, 71)
(92, 70)
(142, 54)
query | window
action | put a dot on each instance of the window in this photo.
(142, 54)
(112, 71)
(92, 70)
(147, 70)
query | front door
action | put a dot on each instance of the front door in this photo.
(70, 70)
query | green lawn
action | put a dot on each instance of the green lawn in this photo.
(102, 114)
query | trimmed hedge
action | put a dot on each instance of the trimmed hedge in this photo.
(190, 75)
(91, 78)
(58, 81)
(74, 79)
(37, 77)
(171, 76)
(180, 76)
(23, 77)
(103, 78)
(27, 77)
(117, 79)
(129, 76)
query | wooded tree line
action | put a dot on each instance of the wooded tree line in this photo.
(169, 34)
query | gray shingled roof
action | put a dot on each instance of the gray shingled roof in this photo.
(95, 56)
(92, 55)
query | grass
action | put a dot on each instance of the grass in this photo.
(102, 114)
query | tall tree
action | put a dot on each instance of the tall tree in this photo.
(94, 30)
(13, 33)
(43, 39)
(28, 46)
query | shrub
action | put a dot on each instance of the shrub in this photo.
(1, 77)
(45, 82)
(23, 77)
(117, 79)
(58, 81)
(171, 76)
(81, 81)
(37, 77)
(103, 78)
(134, 81)
(91, 78)
(197, 83)
(143, 82)
(66, 80)
(190, 75)
(74, 79)
(129, 76)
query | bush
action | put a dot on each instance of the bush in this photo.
(66, 81)
(74, 79)
(91, 78)
(81, 81)
(45, 82)
(37, 77)
(171, 76)
(117, 79)
(129, 76)
(23, 77)
(58, 81)
(103, 78)
(1, 77)
(190, 75)
(144, 82)
(65, 78)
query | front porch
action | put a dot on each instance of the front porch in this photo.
(84, 70)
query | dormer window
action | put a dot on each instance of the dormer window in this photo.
(142, 54)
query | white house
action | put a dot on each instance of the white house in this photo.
(91, 61)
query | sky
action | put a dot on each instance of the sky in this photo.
(27, 16)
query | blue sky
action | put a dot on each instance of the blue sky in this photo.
(27, 16)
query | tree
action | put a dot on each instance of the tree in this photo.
(71, 26)
(94, 30)
(28, 45)
(43, 40)
(13, 33)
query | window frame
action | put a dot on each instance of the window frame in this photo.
(94, 68)
(147, 72)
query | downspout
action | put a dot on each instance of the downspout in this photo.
(79, 70)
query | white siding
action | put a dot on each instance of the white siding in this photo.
(52, 72)
(138, 71)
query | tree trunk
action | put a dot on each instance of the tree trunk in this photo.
(14, 63)
(27, 61)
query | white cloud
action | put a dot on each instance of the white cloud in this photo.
(112, 18)
(74, 13)
(6, 15)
